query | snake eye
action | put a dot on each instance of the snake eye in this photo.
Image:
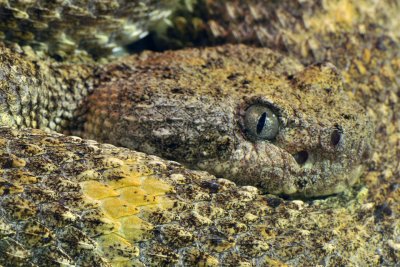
(261, 123)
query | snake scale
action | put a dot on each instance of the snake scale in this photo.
(309, 118)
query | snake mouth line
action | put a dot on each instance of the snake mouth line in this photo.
(343, 181)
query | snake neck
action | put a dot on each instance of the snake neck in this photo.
(40, 94)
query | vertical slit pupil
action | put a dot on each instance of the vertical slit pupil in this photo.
(261, 123)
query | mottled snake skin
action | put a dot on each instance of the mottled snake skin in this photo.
(71, 201)
(99, 28)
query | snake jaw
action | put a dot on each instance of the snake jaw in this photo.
(275, 171)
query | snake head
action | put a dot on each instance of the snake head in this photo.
(313, 136)
(247, 114)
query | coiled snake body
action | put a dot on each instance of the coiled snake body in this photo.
(252, 115)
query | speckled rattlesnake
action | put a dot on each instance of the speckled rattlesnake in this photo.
(65, 200)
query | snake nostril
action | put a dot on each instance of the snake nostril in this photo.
(336, 136)
(301, 157)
